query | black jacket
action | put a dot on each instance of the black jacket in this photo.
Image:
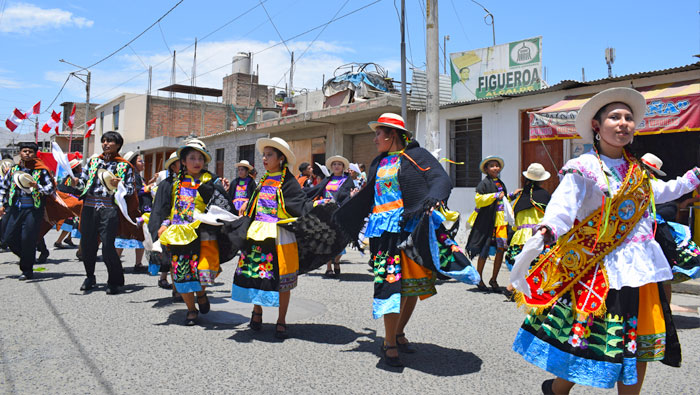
(340, 196)
(482, 230)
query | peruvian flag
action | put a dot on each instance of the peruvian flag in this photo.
(15, 119)
(52, 123)
(91, 127)
(72, 118)
(35, 110)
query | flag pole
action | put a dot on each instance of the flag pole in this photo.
(36, 131)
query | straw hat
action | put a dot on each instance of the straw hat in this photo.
(74, 163)
(171, 159)
(279, 144)
(23, 180)
(536, 172)
(654, 163)
(243, 163)
(390, 120)
(337, 158)
(197, 145)
(487, 160)
(629, 96)
(6, 165)
(105, 176)
(130, 155)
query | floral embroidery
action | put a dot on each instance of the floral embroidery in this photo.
(632, 346)
(387, 268)
(256, 264)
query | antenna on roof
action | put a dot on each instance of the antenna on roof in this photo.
(610, 59)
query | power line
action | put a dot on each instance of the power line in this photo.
(460, 22)
(58, 94)
(273, 25)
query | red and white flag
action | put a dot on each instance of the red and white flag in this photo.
(36, 109)
(71, 120)
(52, 123)
(91, 126)
(15, 119)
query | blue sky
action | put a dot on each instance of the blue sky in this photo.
(34, 35)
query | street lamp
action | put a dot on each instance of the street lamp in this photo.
(77, 75)
(493, 23)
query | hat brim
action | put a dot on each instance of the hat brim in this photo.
(632, 98)
(489, 159)
(545, 176)
(207, 157)
(105, 176)
(338, 158)
(241, 164)
(169, 162)
(374, 125)
(655, 170)
(266, 142)
(17, 178)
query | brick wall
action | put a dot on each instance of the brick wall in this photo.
(237, 90)
(181, 117)
(230, 143)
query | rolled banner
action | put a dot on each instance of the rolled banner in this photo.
(61, 159)
(531, 250)
(508, 212)
(215, 216)
(120, 199)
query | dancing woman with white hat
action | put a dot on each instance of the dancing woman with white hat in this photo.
(243, 186)
(597, 315)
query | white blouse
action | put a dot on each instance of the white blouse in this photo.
(639, 259)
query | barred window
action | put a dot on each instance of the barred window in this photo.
(247, 152)
(465, 146)
(220, 162)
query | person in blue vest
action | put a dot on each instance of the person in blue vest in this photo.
(22, 193)
(100, 216)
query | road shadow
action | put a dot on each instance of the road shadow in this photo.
(47, 276)
(212, 321)
(685, 322)
(315, 333)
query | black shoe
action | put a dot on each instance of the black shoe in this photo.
(163, 283)
(69, 242)
(510, 295)
(255, 325)
(203, 307)
(405, 347)
(547, 387)
(282, 335)
(191, 318)
(140, 268)
(482, 287)
(25, 277)
(494, 286)
(43, 257)
(337, 271)
(58, 246)
(329, 274)
(391, 361)
(113, 290)
(88, 284)
(79, 254)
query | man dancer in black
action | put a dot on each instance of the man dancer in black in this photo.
(25, 210)
(100, 215)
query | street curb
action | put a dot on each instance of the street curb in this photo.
(691, 287)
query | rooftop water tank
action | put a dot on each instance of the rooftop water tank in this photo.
(241, 63)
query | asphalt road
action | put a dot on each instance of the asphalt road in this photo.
(55, 339)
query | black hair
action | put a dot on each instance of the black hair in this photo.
(279, 153)
(113, 137)
(631, 148)
(303, 166)
(133, 159)
(28, 144)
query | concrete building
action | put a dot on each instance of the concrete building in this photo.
(75, 137)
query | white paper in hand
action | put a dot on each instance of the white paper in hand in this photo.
(531, 250)
(324, 169)
(214, 216)
(120, 199)
(508, 212)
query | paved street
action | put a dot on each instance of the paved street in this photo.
(55, 339)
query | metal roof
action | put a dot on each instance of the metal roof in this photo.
(419, 89)
(571, 84)
(196, 90)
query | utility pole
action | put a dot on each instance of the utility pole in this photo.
(403, 60)
(87, 115)
(291, 77)
(432, 69)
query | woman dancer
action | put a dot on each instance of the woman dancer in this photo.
(489, 227)
(598, 314)
(269, 263)
(192, 245)
(145, 201)
(244, 186)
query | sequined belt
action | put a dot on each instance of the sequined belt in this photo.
(98, 201)
(528, 226)
(25, 202)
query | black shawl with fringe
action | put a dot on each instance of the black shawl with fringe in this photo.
(482, 230)
(340, 196)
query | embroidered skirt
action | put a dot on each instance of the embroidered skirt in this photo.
(396, 275)
(127, 243)
(195, 264)
(600, 351)
(266, 268)
(511, 253)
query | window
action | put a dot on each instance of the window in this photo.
(465, 146)
(102, 122)
(219, 162)
(247, 152)
(115, 117)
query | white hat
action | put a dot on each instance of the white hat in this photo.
(74, 163)
(628, 96)
(105, 176)
(489, 159)
(337, 158)
(243, 163)
(654, 163)
(323, 169)
(354, 167)
(536, 172)
(6, 165)
(197, 145)
(390, 120)
(130, 155)
(22, 180)
(171, 159)
(279, 144)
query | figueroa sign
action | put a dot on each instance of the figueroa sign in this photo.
(493, 71)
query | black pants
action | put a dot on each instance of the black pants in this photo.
(22, 233)
(102, 222)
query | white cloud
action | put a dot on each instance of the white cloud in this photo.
(25, 17)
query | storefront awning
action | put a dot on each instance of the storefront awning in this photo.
(671, 108)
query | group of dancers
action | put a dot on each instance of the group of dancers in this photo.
(585, 260)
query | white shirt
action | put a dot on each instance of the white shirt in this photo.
(639, 259)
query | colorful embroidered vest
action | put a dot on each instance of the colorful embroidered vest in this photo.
(36, 196)
(241, 194)
(92, 172)
(575, 264)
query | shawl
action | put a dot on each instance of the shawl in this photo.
(422, 180)
(531, 193)
(482, 231)
(341, 195)
(250, 188)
